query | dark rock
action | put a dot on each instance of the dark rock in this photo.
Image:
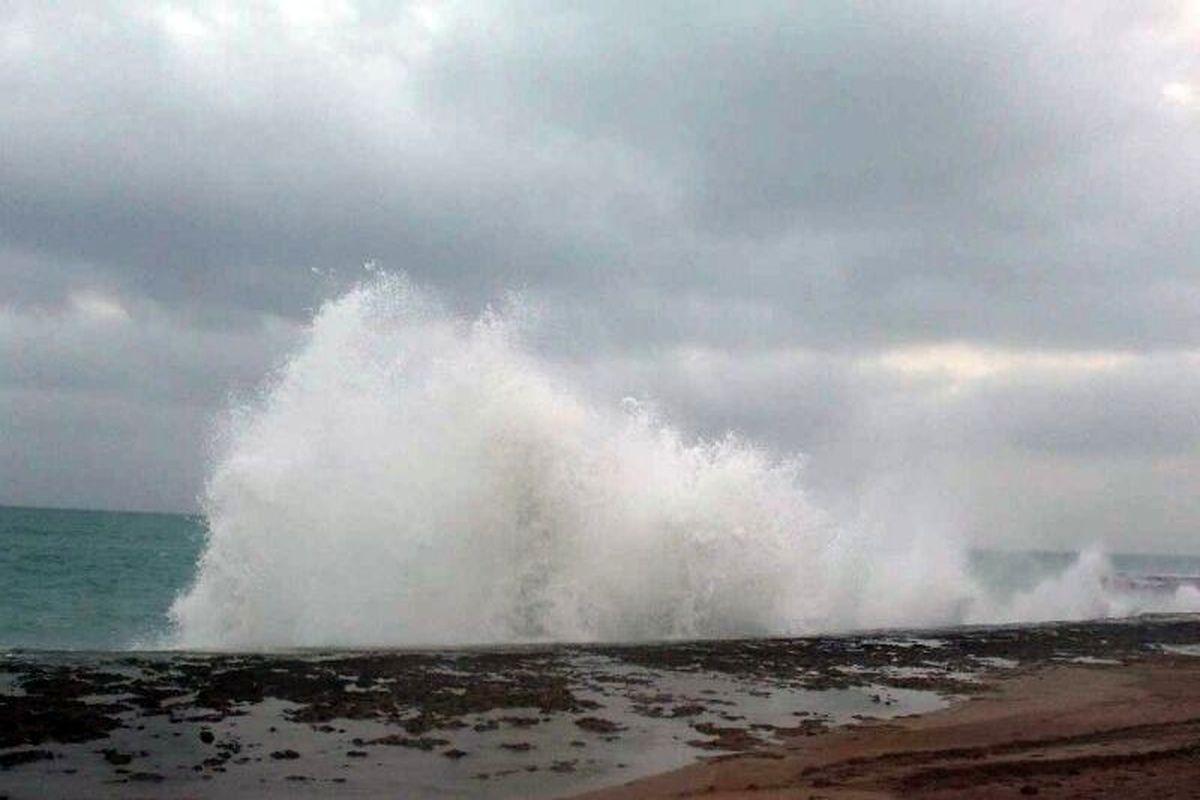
(724, 738)
(687, 710)
(146, 777)
(9, 760)
(520, 722)
(284, 755)
(415, 742)
(117, 757)
(33, 719)
(598, 725)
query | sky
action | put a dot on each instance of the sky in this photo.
(947, 250)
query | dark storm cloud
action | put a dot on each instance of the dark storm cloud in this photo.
(922, 170)
(221, 169)
(735, 209)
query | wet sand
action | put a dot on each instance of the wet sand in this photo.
(1046, 709)
(1129, 730)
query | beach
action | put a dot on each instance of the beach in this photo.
(1086, 708)
(1099, 730)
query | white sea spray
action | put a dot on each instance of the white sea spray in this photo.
(412, 477)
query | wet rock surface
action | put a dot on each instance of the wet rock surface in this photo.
(222, 724)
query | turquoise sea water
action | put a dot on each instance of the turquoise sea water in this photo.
(1008, 571)
(103, 580)
(91, 579)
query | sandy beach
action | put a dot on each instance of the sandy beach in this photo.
(1129, 730)
(1086, 709)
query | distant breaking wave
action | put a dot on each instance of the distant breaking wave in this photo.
(409, 477)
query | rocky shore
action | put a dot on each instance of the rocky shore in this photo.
(556, 720)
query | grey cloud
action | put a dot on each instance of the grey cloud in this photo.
(841, 111)
(1132, 505)
(1144, 411)
(962, 172)
(191, 186)
(104, 410)
(873, 172)
(730, 208)
(89, 450)
(150, 357)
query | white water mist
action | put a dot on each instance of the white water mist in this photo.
(410, 477)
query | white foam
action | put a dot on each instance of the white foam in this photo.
(410, 477)
(1087, 589)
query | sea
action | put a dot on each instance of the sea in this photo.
(106, 580)
(92, 580)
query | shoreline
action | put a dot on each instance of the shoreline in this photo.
(1050, 730)
(548, 721)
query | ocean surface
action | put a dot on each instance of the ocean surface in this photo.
(92, 579)
(103, 580)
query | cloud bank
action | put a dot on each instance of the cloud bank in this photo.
(943, 249)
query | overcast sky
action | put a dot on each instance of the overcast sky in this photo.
(950, 250)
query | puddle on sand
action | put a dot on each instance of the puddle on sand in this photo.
(1091, 661)
(1181, 649)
